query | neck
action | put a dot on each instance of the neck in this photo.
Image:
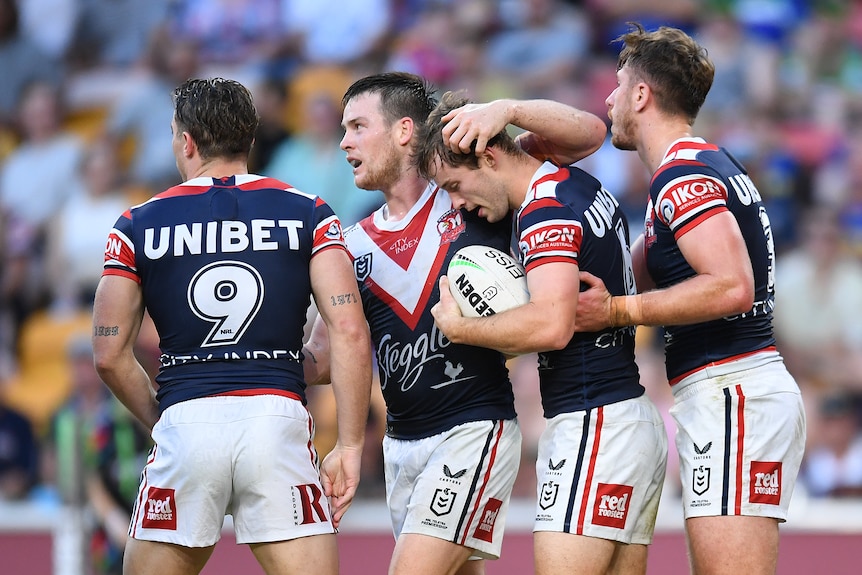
(403, 195)
(658, 139)
(219, 168)
(518, 175)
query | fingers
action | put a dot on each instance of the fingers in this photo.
(443, 283)
(326, 483)
(340, 505)
(467, 129)
(463, 135)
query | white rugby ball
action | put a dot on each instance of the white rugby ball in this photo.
(485, 281)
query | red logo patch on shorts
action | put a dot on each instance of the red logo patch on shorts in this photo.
(161, 509)
(765, 482)
(485, 529)
(612, 505)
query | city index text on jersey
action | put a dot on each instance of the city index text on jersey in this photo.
(226, 236)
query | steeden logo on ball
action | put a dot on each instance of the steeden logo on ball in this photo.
(485, 281)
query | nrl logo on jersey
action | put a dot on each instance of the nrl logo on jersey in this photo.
(362, 267)
(450, 225)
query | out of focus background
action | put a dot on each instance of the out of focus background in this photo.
(85, 114)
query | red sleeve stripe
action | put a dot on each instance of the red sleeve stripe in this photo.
(122, 272)
(330, 245)
(685, 227)
(542, 259)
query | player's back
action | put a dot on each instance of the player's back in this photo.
(224, 269)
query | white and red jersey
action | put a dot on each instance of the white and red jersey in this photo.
(568, 217)
(696, 181)
(429, 384)
(224, 269)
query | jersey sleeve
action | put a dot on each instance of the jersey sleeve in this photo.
(687, 196)
(548, 232)
(327, 229)
(120, 250)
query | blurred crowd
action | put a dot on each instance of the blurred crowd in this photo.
(84, 133)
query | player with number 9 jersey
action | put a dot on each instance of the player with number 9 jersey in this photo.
(212, 259)
(226, 264)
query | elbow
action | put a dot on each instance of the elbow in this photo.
(109, 360)
(599, 131)
(355, 332)
(555, 337)
(740, 298)
(105, 365)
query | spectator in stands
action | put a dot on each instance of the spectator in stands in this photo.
(23, 62)
(115, 33)
(336, 32)
(34, 184)
(100, 449)
(312, 161)
(50, 24)
(270, 99)
(818, 311)
(19, 454)
(428, 47)
(833, 464)
(142, 113)
(78, 231)
(231, 33)
(543, 44)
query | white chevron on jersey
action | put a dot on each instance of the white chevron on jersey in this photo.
(405, 286)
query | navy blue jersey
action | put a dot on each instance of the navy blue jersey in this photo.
(568, 217)
(224, 269)
(428, 383)
(697, 181)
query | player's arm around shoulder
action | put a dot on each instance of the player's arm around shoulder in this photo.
(118, 310)
(546, 322)
(723, 283)
(337, 297)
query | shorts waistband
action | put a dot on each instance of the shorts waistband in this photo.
(688, 385)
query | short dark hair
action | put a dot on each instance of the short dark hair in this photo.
(676, 67)
(430, 144)
(219, 114)
(401, 95)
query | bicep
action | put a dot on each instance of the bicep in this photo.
(554, 288)
(716, 247)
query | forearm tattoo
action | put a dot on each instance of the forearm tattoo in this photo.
(343, 299)
(106, 330)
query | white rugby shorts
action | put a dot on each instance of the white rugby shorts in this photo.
(251, 457)
(740, 437)
(600, 472)
(454, 485)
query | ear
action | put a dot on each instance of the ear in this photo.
(488, 158)
(641, 95)
(190, 148)
(404, 129)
